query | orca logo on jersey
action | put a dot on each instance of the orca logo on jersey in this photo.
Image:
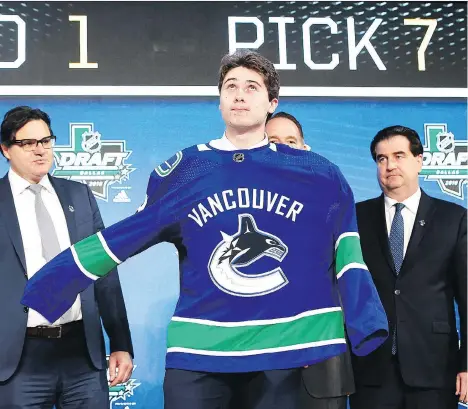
(245, 247)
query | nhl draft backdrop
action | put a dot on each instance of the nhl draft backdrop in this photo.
(129, 84)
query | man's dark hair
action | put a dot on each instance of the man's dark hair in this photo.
(292, 118)
(255, 62)
(18, 117)
(416, 147)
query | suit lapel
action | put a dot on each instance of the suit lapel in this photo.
(381, 228)
(424, 215)
(67, 206)
(10, 219)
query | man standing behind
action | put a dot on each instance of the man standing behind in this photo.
(325, 384)
(43, 364)
(286, 129)
(415, 248)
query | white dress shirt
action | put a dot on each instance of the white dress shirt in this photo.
(24, 200)
(408, 213)
(224, 144)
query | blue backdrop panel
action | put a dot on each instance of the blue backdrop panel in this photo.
(153, 130)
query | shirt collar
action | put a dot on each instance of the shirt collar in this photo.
(411, 203)
(19, 184)
(224, 144)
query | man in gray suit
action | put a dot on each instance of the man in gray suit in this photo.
(43, 364)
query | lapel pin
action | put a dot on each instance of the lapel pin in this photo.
(71, 208)
(422, 222)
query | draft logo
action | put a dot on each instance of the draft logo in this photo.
(92, 160)
(445, 160)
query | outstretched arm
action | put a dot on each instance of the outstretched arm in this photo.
(53, 289)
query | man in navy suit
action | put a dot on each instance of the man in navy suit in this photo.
(43, 364)
(415, 248)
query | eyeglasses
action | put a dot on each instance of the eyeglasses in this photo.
(31, 144)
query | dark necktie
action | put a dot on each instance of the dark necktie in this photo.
(396, 239)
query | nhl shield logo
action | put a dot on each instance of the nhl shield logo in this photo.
(238, 157)
(91, 142)
(445, 142)
(245, 247)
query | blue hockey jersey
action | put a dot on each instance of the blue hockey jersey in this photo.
(270, 260)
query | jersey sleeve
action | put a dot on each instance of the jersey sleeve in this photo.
(53, 289)
(365, 318)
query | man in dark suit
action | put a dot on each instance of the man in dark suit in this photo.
(41, 363)
(325, 385)
(415, 248)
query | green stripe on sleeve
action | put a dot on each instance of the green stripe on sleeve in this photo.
(93, 257)
(348, 251)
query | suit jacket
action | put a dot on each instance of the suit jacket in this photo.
(102, 300)
(420, 300)
(330, 378)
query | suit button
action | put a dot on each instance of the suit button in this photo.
(397, 292)
(25, 309)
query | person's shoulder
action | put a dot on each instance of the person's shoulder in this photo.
(322, 172)
(364, 207)
(368, 202)
(170, 163)
(69, 184)
(287, 150)
(193, 151)
(447, 207)
(184, 165)
(4, 181)
(314, 160)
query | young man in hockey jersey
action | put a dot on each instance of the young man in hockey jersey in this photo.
(242, 213)
(326, 384)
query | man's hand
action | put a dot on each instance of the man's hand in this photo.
(462, 387)
(120, 367)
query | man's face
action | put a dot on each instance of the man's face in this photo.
(33, 165)
(244, 100)
(285, 131)
(397, 168)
